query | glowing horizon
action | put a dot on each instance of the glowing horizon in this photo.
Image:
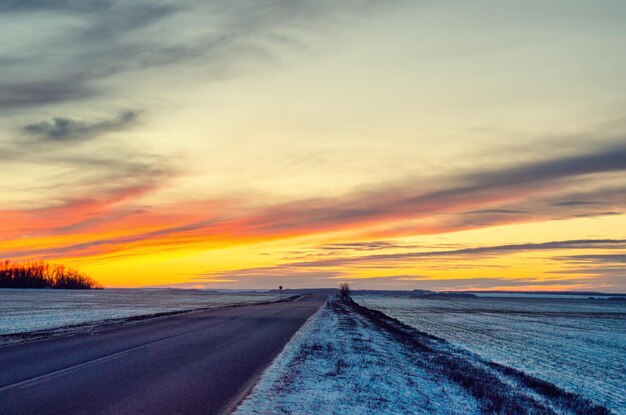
(307, 143)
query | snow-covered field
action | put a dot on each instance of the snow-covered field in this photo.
(339, 363)
(576, 344)
(351, 360)
(31, 310)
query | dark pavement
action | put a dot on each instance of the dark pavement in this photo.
(195, 363)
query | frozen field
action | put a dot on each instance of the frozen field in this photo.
(30, 310)
(340, 363)
(351, 360)
(577, 344)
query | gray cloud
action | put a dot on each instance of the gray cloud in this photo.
(311, 268)
(271, 277)
(467, 252)
(490, 283)
(596, 258)
(531, 175)
(601, 201)
(64, 129)
(615, 272)
(613, 258)
(495, 211)
(295, 277)
(363, 246)
(527, 185)
(18, 94)
(117, 36)
(95, 167)
(268, 272)
(337, 249)
(60, 5)
(576, 203)
(606, 160)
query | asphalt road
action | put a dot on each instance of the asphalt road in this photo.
(195, 363)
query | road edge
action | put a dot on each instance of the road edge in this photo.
(247, 389)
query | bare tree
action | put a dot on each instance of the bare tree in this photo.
(42, 275)
(344, 289)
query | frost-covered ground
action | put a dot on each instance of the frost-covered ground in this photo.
(30, 310)
(339, 363)
(348, 359)
(576, 344)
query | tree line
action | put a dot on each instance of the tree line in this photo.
(43, 275)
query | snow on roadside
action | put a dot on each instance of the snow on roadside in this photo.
(340, 363)
(555, 339)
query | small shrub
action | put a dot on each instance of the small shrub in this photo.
(344, 290)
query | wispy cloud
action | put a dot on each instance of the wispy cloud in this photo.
(64, 163)
(478, 202)
(598, 258)
(60, 5)
(499, 283)
(66, 129)
(483, 190)
(106, 38)
(267, 277)
(483, 251)
(311, 278)
(343, 268)
(35, 93)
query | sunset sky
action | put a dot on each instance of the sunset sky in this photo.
(247, 144)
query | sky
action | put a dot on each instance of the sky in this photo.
(443, 145)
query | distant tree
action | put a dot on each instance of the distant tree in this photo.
(42, 275)
(344, 290)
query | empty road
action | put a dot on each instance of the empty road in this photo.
(195, 363)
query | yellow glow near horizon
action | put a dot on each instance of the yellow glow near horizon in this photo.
(183, 265)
